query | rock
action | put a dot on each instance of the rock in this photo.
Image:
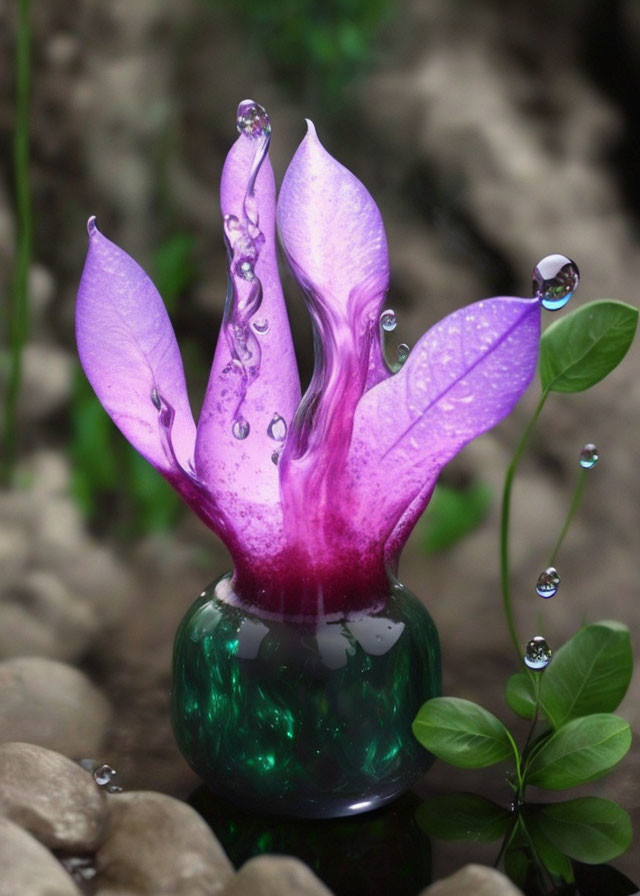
(158, 845)
(478, 880)
(51, 797)
(51, 704)
(28, 868)
(275, 876)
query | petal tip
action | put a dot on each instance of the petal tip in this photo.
(311, 129)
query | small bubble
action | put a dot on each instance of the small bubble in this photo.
(252, 120)
(538, 653)
(589, 456)
(388, 320)
(92, 225)
(402, 353)
(104, 775)
(555, 279)
(277, 428)
(260, 326)
(548, 581)
(240, 428)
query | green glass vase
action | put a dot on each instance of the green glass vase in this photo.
(306, 718)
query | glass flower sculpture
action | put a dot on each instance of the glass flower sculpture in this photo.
(297, 677)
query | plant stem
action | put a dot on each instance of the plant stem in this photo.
(18, 311)
(504, 525)
(575, 503)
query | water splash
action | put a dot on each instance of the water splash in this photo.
(388, 320)
(537, 653)
(244, 243)
(277, 429)
(589, 456)
(555, 279)
(548, 581)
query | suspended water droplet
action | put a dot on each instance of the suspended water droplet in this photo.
(104, 775)
(277, 428)
(388, 320)
(252, 120)
(555, 279)
(275, 458)
(113, 788)
(589, 456)
(92, 225)
(548, 581)
(402, 353)
(240, 428)
(261, 326)
(81, 868)
(156, 400)
(538, 653)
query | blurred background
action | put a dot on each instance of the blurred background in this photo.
(490, 133)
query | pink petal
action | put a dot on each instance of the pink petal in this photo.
(462, 378)
(240, 472)
(130, 356)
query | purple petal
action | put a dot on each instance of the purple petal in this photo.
(334, 240)
(461, 378)
(331, 229)
(253, 389)
(130, 356)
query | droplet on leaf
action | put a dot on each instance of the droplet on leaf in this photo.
(538, 653)
(240, 428)
(555, 279)
(548, 581)
(388, 320)
(589, 456)
(277, 429)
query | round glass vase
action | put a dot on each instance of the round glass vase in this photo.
(307, 718)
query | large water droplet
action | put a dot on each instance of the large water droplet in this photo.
(261, 326)
(538, 653)
(555, 279)
(548, 581)
(252, 120)
(240, 428)
(277, 428)
(388, 320)
(589, 456)
(402, 353)
(104, 775)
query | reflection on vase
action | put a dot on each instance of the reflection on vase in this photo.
(312, 717)
(384, 853)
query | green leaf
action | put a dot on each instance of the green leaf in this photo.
(553, 859)
(452, 514)
(582, 750)
(462, 733)
(583, 347)
(520, 695)
(464, 816)
(588, 829)
(588, 674)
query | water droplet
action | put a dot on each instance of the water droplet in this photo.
(388, 320)
(589, 456)
(555, 279)
(538, 653)
(81, 868)
(104, 775)
(114, 788)
(277, 428)
(240, 428)
(244, 269)
(275, 458)
(92, 225)
(261, 326)
(252, 120)
(548, 581)
(156, 400)
(402, 353)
